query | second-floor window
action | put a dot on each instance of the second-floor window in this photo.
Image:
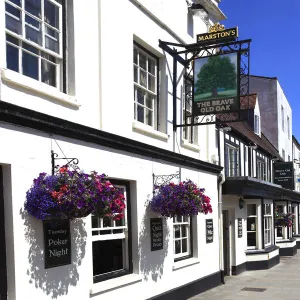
(282, 117)
(231, 161)
(288, 126)
(34, 39)
(256, 124)
(261, 169)
(283, 154)
(145, 86)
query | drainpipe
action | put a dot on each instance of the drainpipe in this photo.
(221, 180)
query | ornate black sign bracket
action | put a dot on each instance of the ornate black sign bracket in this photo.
(159, 180)
(72, 162)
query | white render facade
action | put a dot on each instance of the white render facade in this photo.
(62, 90)
(275, 109)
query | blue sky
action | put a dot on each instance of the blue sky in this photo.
(274, 27)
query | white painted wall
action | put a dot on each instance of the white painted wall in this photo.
(25, 238)
(296, 156)
(284, 140)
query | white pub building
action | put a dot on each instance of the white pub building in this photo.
(90, 82)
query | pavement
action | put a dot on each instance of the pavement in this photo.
(280, 282)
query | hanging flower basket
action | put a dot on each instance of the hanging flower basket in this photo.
(72, 194)
(283, 219)
(180, 199)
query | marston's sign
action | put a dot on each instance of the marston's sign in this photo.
(57, 243)
(284, 174)
(217, 33)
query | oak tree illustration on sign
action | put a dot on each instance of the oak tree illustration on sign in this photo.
(217, 78)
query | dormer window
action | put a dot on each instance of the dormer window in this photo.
(257, 124)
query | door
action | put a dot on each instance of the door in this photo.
(226, 242)
(3, 276)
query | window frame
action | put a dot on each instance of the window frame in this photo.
(189, 237)
(256, 124)
(40, 49)
(127, 256)
(256, 226)
(261, 166)
(137, 85)
(278, 238)
(269, 218)
(236, 170)
(282, 117)
(288, 126)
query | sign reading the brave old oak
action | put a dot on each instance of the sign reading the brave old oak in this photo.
(57, 243)
(157, 237)
(209, 231)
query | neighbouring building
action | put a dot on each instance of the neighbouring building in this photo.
(75, 82)
(251, 241)
(276, 113)
(296, 160)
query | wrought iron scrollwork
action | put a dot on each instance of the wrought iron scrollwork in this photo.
(159, 180)
(71, 162)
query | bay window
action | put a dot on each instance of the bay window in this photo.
(34, 39)
(268, 224)
(231, 161)
(182, 237)
(111, 246)
(251, 226)
(145, 71)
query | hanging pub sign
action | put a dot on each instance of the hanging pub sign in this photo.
(217, 34)
(57, 242)
(284, 174)
(240, 227)
(209, 231)
(216, 84)
(157, 236)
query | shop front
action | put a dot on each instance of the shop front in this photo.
(256, 241)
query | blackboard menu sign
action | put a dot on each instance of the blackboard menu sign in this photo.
(284, 174)
(240, 227)
(157, 236)
(57, 242)
(209, 231)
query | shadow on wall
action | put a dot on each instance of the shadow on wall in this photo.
(54, 282)
(152, 263)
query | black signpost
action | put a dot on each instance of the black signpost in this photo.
(157, 236)
(209, 231)
(240, 227)
(57, 242)
(284, 174)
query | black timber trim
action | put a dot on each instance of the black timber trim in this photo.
(262, 251)
(262, 264)
(17, 115)
(236, 270)
(3, 266)
(251, 187)
(191, 289)
(262, 216)
(290, 251)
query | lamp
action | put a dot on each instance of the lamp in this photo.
(196, 8)
(241, 203)
(252, 146)
(225, 129)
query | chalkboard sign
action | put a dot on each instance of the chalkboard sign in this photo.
(209, 231)
(284, 174)
(240, 227)
(157, 236)
(57, 242)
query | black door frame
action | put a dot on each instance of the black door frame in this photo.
(3, 272)
(226, 242)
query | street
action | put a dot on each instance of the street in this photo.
(280, 282)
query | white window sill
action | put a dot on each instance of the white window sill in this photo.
(115, 283)
(187, 145)
(148, 130)
(185, 263)
(28, 83)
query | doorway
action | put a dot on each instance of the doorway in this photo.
(226, 243)
(3, 275)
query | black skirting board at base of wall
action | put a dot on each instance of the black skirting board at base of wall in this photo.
(263, 264)
(298, 244)
(290, 251)
(255, 265)
(191, 289)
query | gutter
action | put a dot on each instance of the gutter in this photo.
(221, 180)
